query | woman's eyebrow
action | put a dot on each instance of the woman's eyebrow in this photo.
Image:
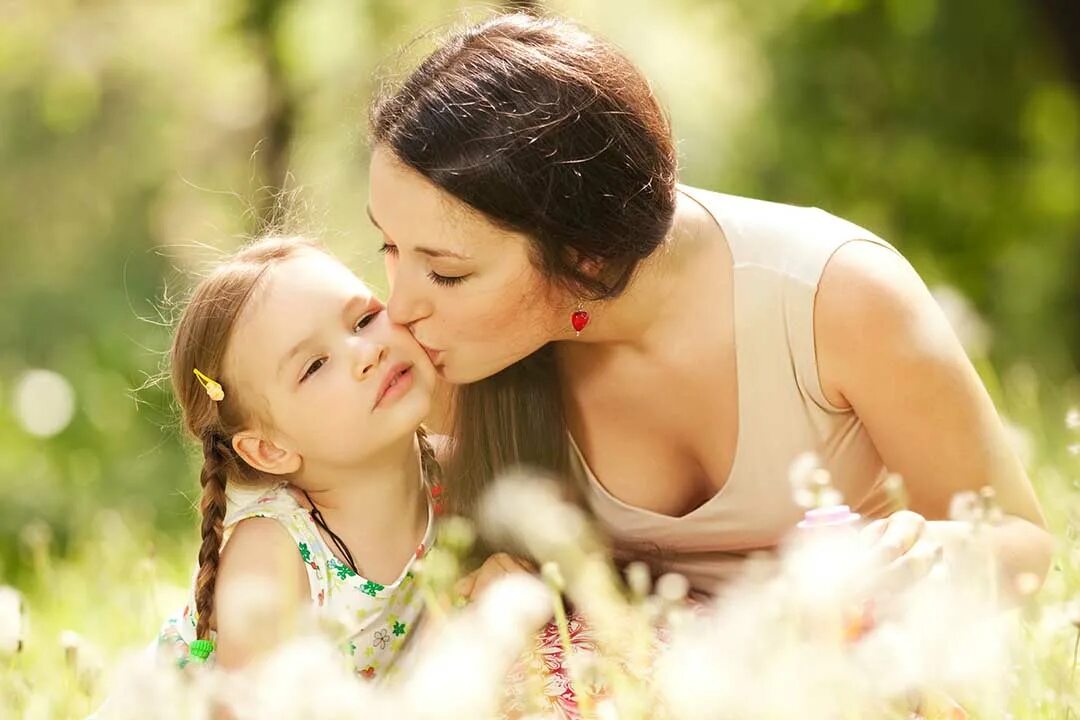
(430, 252)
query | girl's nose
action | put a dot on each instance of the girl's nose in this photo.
(367, 360)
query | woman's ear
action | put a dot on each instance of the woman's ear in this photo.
(263, 455)
(592, 267)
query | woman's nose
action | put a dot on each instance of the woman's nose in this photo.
(406, 306)
(367, 360)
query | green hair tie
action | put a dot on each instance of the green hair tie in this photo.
(201, 649)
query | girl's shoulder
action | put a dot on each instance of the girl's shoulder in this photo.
(276, 515)
(276, 502)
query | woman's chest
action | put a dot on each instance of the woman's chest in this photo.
(662, 438)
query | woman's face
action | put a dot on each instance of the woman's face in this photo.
(467, 289)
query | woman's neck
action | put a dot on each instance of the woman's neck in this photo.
(379, 509)
(657, 293)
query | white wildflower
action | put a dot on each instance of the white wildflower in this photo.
(149, 679)
(526, 508)
(895, 490)
(304, 678)
(1027, 584)
(801, 476)
(12, 621)
(672, 587)
(83, 658)
(811, 483)
(638, 579)
(965, 507)
(466, 662)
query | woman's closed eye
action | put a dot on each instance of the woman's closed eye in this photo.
(446, 280)
(361, 323)
(443, 280)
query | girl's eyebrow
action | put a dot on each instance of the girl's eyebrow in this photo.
(430, 252)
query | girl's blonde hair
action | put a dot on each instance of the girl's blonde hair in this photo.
(200, 341)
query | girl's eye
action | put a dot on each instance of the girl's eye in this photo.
(366, 320)
(444, 280)
(313, 368)
(388, 249)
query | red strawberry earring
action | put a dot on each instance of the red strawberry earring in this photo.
(579, 319)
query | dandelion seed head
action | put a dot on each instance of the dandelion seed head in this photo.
(1027, 584)
(457, 534)
(638, 579)
(964, 507)
(303, 678)
(514, 603)
(12, 621)
(672, 587)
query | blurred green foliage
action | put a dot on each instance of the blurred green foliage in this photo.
(137, 139)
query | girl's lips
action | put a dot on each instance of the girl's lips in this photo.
(395, 383)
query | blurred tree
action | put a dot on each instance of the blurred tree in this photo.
(260, 19)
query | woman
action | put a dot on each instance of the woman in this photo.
(672, 349)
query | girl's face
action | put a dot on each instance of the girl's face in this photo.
(333, 380)
(466, 288)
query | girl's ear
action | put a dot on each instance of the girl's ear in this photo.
(263, 455)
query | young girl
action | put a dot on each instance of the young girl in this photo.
(318, 488)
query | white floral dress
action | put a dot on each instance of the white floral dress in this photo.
(381, 618)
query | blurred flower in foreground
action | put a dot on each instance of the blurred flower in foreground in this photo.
(461, 666)
(811, 484)
(82, 658)
(12, 621)
(44, 402)
(977, 508)
(305, 678)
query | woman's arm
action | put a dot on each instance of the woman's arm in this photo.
(886, 350)
(261, 588)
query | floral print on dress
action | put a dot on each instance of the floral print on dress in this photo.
(383, 612)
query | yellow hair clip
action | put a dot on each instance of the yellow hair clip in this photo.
(213, 387)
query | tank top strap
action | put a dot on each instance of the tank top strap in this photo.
(790, 246)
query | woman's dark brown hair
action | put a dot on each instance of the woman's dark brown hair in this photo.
(548, 131)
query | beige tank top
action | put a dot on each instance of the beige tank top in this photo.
(779, 253)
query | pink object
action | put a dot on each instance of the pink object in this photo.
(832, 516)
